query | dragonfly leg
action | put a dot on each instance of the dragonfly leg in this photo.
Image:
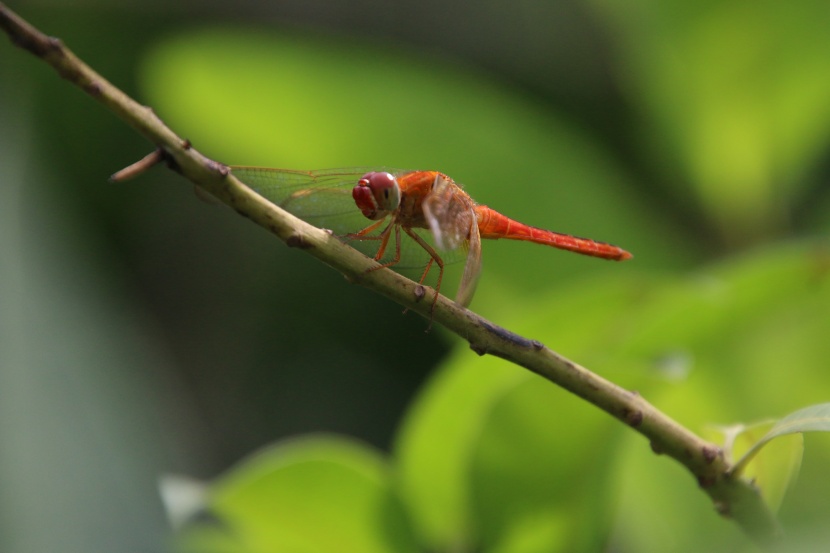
(434, 257)
(384, 238)
(362, 234)
(387, 232)
(384, 243)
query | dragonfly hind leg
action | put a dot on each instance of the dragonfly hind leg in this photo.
(434, 257)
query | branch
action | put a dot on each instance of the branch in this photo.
(732, 497)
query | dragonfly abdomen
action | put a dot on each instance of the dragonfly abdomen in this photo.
(493, 225)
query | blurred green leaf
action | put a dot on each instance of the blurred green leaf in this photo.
(815, 418)
(435, 444)
(772, 472)
(708, 307)
(315, 494)
(537, 458)
(737, 94)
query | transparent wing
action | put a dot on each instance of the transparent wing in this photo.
(324, 199)
(472, 269)
(450, 213)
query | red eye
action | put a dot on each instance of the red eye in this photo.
(377, 194)
(364, 200)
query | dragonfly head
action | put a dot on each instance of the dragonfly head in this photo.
(377, 194)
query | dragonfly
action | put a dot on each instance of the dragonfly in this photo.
(376, 208)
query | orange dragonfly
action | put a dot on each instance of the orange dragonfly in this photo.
(407, 201)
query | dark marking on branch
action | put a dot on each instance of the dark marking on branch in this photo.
(710, 453)
(93, 88)
(170, 161)
(506, 335)
(706, 482)
(633, 418)
(297, 241)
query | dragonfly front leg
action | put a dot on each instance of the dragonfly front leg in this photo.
(382, 249)
(362, 234)
(384, 242)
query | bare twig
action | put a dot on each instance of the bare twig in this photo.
(131, 171)
(733, 497)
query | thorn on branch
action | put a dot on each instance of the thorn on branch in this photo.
(220, 168)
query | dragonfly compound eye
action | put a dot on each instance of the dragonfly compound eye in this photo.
(377, 194)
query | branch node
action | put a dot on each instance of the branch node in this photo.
(710, 453)
(478, 349)
(93, 89)
(420, 292)
(54, 44)
(217, 167)
(633, 418)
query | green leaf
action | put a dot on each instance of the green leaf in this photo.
(437, 441)
(312, 495)
(775, 469)
(542, 455)
(815, 418)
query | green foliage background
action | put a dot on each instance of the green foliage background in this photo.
(146, 332)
